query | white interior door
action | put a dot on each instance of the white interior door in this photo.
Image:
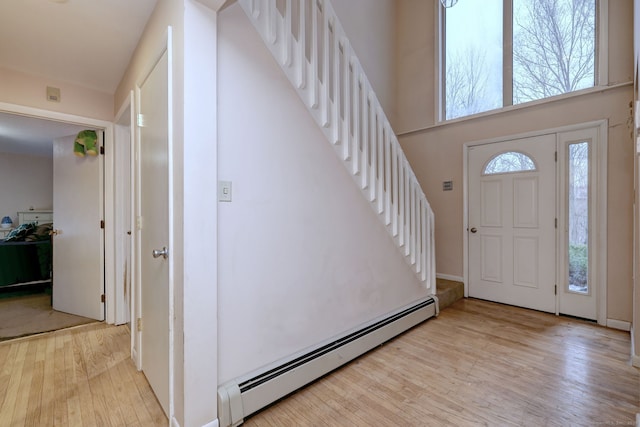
(154, 228)
(512, 247)
(78, 246)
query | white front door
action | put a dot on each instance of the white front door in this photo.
(512, 247)
(78, 246)
(154, 228)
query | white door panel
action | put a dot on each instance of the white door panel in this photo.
(512, 224)
(78, 248)
(154, 229)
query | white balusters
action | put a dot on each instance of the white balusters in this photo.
(345, 100)
(325, 121)
(308, 41)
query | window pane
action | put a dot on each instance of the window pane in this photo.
(553, 47)
(579, 217)
(473, 47)
(511, 161)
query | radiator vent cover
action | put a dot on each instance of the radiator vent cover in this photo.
(241, 398)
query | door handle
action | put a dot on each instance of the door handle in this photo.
(473, 229)
(164, 253)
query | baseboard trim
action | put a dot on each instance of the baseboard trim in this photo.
(244, 396)
(450, 277)
(635, 358)
(619, 324)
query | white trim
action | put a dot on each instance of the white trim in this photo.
(214, 423)
(450, 277)
(438, 62)
(524, 105)
(170, 178)
(465, 217)
(602, 53)
(523, 135)
(635, 358)
(601, 220)
(619, 324)
(123, 137)
(600, 263)
(106, 189)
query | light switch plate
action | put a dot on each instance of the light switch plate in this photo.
(224, 191)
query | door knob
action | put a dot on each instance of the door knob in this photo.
(473, 229)
(164, 253)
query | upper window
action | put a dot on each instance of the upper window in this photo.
(506, 52)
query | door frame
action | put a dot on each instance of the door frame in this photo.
(123, 152)
(107, 194)
(599, 262)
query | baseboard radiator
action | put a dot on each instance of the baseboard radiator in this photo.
(245, 396)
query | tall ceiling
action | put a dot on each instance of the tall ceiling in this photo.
(86, 42)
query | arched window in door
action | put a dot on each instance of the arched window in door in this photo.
(509, 162)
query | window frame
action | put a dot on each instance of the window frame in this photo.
(600, 59)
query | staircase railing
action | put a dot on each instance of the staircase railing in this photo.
(308, 42)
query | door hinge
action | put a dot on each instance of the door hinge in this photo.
(556, 223)
(140, 120)
(555, 289)
(102, 298)
(102, 150)
(556, 156)
(139, 324)
(102, 223)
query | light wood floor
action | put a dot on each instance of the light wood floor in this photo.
(478, 363)
(82, 376)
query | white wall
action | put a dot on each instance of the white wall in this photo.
(25, 181)
(302, 256)
(30, 90)
(193, 136)
(371, 29)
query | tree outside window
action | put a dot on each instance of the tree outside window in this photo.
(552, 52)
